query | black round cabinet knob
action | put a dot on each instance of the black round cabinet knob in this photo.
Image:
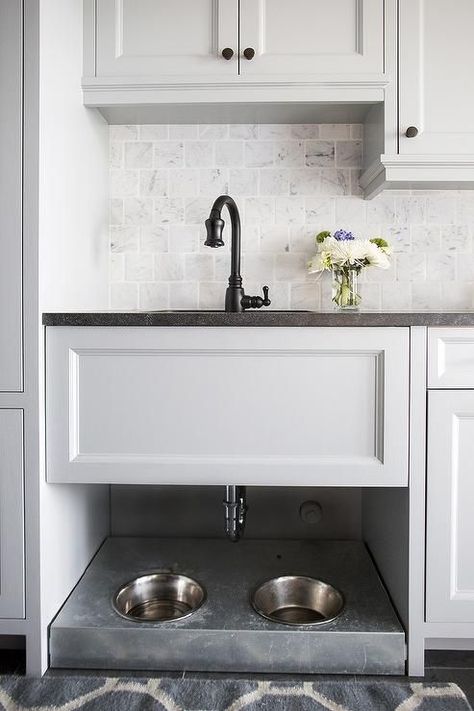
(411, 132)
(249, 53)
(227, 53)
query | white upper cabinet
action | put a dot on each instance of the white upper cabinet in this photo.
(310, 37)
(10, 197)
(154, 39)
(437, 77)
(205, 53)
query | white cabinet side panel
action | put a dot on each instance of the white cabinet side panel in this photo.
(12, 583)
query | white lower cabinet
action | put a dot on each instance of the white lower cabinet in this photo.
(450, 507)
(12, 585)
(272, 406)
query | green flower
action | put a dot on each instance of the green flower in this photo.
(381, 244)
(322, 236)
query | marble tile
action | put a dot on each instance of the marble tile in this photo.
(320, 154)
(154, 182)
(169, 211)
(153, 296)
(184, 182)
(305, 296)
(124, 239)
(229, 153)
(306, 131)
(169, 267)
(169, 154)
(115, 211)
(199, 267)
(124, 296)
(274, 181)
(274, 131)
(274, 239)
(337, 131)
(154, 132)
(258, 154)
(289, 154)
(243, 181)
(116, 154)
(138, 154)
(183, 238)
(124, 183)
(117, 267)
(154, 238)
(305, 181)
(244, 131)
(213, 131)
(183, 131)
(290, 210)
(139, 267)
(199, 154)
(213, 182)
(259, 210)
(335, 182)
(123, 133)
(138, 211)
(183, 295)
(212, 295)
(349, 154)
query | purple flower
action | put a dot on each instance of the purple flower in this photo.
(342, 235)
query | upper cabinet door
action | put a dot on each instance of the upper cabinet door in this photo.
(163, 38)
(10, 196)
(312, 37)
(436, 76)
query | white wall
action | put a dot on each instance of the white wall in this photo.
(73, 273)
(73, 170)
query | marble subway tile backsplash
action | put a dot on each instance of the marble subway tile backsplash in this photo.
(290, 182)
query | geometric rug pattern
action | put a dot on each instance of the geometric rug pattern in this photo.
(92, 693)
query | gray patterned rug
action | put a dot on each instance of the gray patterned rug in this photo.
(68, 693)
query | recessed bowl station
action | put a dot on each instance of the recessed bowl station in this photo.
(281, 606)
(159, 597)
(297, 600)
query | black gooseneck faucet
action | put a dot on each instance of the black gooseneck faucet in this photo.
(236, 300)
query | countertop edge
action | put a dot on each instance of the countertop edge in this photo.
(310, 319)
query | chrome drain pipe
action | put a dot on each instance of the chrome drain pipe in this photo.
(235, 509)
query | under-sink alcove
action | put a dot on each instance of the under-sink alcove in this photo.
(349, 538)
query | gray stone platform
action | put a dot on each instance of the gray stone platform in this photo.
(226, 634)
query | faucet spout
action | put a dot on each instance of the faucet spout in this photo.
(235, 297)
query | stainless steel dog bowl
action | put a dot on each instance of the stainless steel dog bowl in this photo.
(159, 597)
(297, 600)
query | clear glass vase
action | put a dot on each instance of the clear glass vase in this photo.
(345, 288)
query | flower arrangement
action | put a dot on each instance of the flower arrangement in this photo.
(345, 256)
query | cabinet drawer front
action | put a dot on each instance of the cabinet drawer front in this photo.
(450, 496)
(451, 358)
(12, 585)
(218, 405)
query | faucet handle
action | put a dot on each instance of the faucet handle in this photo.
(266, 300)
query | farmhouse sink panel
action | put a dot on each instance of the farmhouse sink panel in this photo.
(286, 406)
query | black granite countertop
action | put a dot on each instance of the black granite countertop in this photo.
(261, 318)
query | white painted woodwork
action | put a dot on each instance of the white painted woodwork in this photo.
(11, 369)
(310, 37)
(265, 406)
(12, 562)
(451, 358)
(159, 38)
(450, 497)
(436, 78)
